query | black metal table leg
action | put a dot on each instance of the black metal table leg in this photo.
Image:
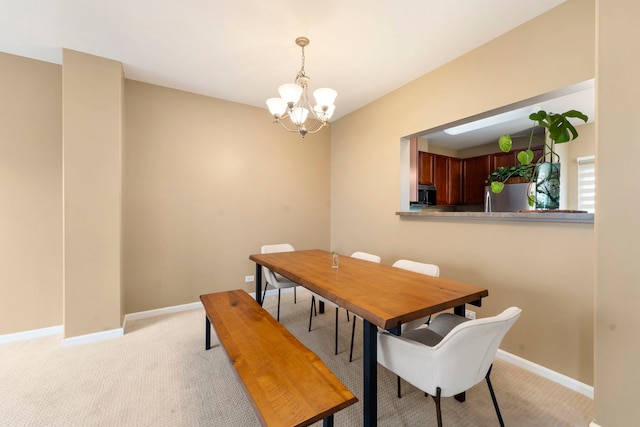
(259, 284)
(207, 333)
(370, 350)
(459, 310)
(328, 421)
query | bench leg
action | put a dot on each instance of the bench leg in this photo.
(328, 422)
(207, 333)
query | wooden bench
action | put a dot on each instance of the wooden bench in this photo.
(287, 384)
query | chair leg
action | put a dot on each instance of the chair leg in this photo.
(353, 330)
(278, 317)
(264, 293)
(347, 315)
(294, 295)
(399, 391)
(493, 396)
(436, 399)
(313, 306)
(336, 352)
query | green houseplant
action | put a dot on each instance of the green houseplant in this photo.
(546, 171)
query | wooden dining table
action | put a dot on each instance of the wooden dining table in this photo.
(384, 296)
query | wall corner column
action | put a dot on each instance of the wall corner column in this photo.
(92, 110)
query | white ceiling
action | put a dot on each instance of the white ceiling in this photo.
(241, 50)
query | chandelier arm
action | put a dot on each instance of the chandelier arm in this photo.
(282, 123)
(321, 117)
(316, 127)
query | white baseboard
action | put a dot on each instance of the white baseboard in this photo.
(159, 311)
(89, 338)
(547, 373)
(177, 308)
(31, 334)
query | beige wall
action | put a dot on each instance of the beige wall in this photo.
(202, 191)
(617, 231)
(30, 194)
(92, 139)
(206, 183)
(546, 269)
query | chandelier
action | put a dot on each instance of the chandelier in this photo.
(294, 102)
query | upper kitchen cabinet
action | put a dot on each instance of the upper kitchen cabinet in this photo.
(443, 172)
(511, 158)
(475, 171)
(454, 187)
(425, 168)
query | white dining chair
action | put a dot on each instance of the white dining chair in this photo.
(315, 297)
(418, 267)
(274, 279)
(449, 356)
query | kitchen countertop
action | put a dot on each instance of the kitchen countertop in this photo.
(531, 215)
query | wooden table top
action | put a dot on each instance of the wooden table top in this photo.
(286, 383)
(382, 294)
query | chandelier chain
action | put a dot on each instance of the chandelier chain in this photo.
(301, 72)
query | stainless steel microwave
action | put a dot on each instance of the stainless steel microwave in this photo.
(427, 195)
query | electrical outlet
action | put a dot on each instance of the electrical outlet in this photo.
(248, 279)
(470, 314)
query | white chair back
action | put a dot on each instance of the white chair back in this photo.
(457, 363)
(269, 249)
(422, 268)
(418, 267)
(366, 256)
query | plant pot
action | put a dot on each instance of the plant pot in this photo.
(547, 179)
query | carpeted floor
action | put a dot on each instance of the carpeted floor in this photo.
(158, 374)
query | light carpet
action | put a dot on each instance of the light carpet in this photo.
(158, 374)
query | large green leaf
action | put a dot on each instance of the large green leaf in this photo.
(497, 186)
(505, 143)
(576, 115)
(560, 128)
(538, 117)
(525, 157)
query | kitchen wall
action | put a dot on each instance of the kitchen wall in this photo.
(546, 269)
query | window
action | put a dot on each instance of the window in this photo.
(587, 184)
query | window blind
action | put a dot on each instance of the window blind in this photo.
(587, 183)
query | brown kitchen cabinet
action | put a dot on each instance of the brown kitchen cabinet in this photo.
(511, 158)
(462, 181)
(454, 187)
(475, 171)
(441, 179)
(443, 172)
(503, 159)
(425, 168)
